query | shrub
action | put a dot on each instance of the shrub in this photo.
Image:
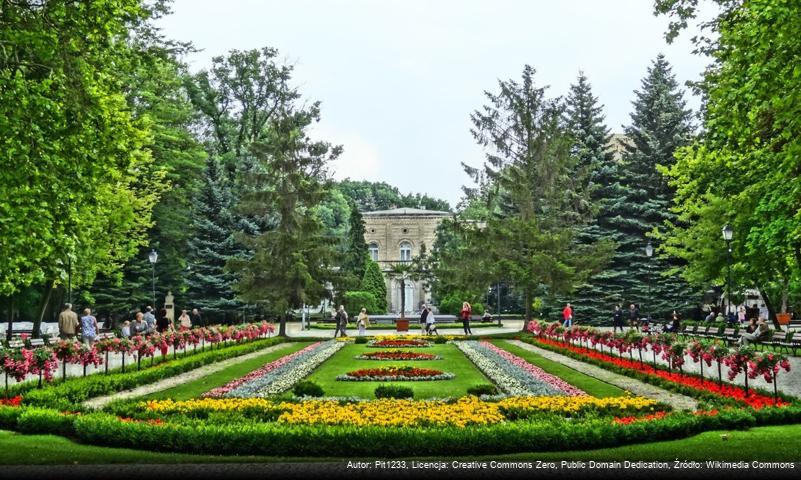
(439, 340)
(452, 304)
(360, 340)
(308, 389)
(354, 301)
(485, 389)
(373, 282)
(44, 420)
(393, 391)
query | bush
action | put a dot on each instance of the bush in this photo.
(354, 301)
(308, 389)
(43, 420)
(485, 389)
(360, 340)
(452, 304)
(439, 340)
(393, 391)
(373, 282)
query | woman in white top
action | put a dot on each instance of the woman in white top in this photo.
(363, 321)
(431, 326)
(184, 320)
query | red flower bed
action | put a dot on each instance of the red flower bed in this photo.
(389, 374)
(399, 343)
(397, 355)
(645, 418)
(753, 399)
(11, 402)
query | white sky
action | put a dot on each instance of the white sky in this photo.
(398, 79)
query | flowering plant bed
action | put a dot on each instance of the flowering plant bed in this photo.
(397, 355)
(512, 374)
(280, 375)
(389, 374)
(402, 343)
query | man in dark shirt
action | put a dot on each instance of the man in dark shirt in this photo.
(196, 318)
(634, 317)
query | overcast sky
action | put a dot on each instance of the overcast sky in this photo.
(399, 79)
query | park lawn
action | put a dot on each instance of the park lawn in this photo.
(591, 385)
(775, 443)
(453, 361)
(195, 388)
(413, 326)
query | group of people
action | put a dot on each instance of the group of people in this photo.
(428, 322)
(341, 321)
(70, 325)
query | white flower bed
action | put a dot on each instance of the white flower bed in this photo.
(504, 381)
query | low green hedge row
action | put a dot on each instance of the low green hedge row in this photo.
(320, 440)
(710, 397)
(68, 395)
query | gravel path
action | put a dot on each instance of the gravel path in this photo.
(167, 383)
(675, 400)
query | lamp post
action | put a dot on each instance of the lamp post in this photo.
(728, 234)
(153, 257)
(649, 252)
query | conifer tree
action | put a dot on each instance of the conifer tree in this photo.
(373, 282)
(591, 139)
(211, 245)
(356, 254)
(660, 123)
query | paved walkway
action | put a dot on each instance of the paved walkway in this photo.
(675, 400)
(167, 383)
(509, 326)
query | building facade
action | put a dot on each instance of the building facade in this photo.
(395, 236)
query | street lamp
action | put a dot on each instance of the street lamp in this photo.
(728, 234)
(153, 257)
(649, 252)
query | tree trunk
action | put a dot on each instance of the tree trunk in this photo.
(771, 310)
(282, 326)
(528, 309)
(37, 324)
(10, 317)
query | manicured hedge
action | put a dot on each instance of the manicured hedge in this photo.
(68, 395)
(318, 440)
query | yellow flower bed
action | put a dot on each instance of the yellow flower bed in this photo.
(404, 413)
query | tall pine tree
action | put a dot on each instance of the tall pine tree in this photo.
(591, 139)
(660, 123)
(211, 245)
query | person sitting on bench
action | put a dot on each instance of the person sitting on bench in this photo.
(762, 332)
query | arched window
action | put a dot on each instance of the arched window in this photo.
(405, 251)
(373, 250)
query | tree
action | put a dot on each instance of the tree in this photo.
(533, 193)
(744, 168)
(373, 282)
(211, 246)
(585, 121)
(660, 124)
(371, 196)
(356, 254)
(292, 262)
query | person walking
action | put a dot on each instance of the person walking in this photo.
(567, 315)
(634, 317)
(150, 319)
(337, 322)
(431, 322)
(185, 321)
(67, 323)
(343, 320)
(89, 327)
(742, 314)
(617, 319)
(363, 322)
(465, 316)
(197, 318)
(423, 316)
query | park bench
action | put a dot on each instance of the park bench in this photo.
(36, 342)
(687, 331)
(779, 340)
(106, 335)
(729, 335)
(16, 344)
(703, 332)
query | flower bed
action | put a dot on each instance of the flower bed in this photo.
(512, 374)
(390, 374)
(403, 413)
(279, 375)
(400, 343)
(397, 355)
(702, 386)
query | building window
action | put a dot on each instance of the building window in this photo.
(406, 252)
(373, 249)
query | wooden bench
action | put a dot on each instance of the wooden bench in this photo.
(779, 340)
(729, 334)
(687, 331)
(36, 342)
(16, 344)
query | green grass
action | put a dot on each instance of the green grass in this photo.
(454, 361)
(777, 443)
(591, 385)
(413, 326)
(195, 388)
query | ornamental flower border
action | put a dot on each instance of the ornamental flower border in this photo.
(514, 375)
(402, 356)
(398, 343)
(376, 375)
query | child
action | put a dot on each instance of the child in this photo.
(126, 329)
